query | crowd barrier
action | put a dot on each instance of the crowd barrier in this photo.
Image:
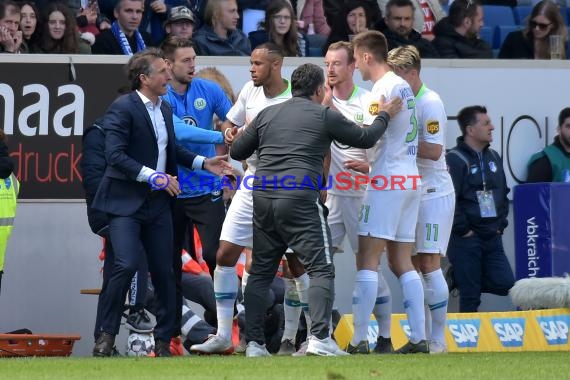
(534, 330)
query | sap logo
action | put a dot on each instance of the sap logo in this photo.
(555, 328)
(465, 331)
(406, 327)
(509, 330)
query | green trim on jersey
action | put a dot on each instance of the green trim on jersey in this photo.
(353, 94)
(287, 90)
(421, 92)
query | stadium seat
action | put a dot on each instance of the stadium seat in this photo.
(494, 15)
(251, 20)
(501, 33)
(486, 34)
(521, 12)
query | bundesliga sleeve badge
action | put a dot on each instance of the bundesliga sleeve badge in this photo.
(432, 127)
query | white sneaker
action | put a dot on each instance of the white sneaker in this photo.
(254, 350)
(436, 347)
(215, 344)
(302, 351)
(324, 347)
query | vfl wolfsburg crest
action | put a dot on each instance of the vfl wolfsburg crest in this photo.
(200, 104)
(359, 117)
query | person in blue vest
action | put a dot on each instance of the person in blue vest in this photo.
(552, 164)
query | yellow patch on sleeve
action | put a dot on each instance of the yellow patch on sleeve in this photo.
(373, 108)
(432, 126)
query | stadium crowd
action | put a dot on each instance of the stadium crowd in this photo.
(438, 28)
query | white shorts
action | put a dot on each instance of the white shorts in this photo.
(238, 224)
(435, 220)
(343, 219)
(390, 215)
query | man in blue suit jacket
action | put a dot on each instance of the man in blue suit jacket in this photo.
(137, 191)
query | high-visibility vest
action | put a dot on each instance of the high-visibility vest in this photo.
(9, 188)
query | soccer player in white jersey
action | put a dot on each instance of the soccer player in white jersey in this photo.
(267, 87)
(437, 205)
(389, 210)
(344, 201)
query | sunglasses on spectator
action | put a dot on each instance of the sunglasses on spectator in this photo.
(539, 25)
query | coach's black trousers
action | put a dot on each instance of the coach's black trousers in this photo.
(301, 225)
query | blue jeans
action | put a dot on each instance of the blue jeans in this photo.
(479, 266)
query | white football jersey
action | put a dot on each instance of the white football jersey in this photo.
(395, 154)
(250, 102)
(353, 109)
(436, 181)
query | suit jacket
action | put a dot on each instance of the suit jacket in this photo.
(130, 144)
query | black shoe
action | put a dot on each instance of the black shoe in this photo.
(360, 348)
(383, 345)
(421, 347)
(104, 345)
(140, 322)
(162, 349)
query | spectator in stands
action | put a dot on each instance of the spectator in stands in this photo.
(219, 35)
(552, 164)
(356, 16)
(399, 30)
(124, 36)
(29, 23)
(457, 36)
(280, 27)
(180, 23)
(533, 42)
(311, 12)
(11, 39)
(476, 245)
(60, 34)
(333, 8)
(426, 14)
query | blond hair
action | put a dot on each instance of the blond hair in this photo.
(405, 57)
(217, 76)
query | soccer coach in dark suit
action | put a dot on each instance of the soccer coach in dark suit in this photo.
(140, 150)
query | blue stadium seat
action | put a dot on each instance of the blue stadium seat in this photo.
(494, 15)
(486, 34)
(501, 33)
(521, 12)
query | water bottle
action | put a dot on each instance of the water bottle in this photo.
(311, 29)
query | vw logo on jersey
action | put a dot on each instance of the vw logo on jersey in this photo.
(200, 104)
(190, 121)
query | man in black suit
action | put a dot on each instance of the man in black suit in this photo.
(137, 191)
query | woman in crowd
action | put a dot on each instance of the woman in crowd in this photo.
(533, 42)
(280, 27)
(356, 17)
(29, 16)
(60, 34)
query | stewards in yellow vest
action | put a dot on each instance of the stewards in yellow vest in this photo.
(9, 188)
